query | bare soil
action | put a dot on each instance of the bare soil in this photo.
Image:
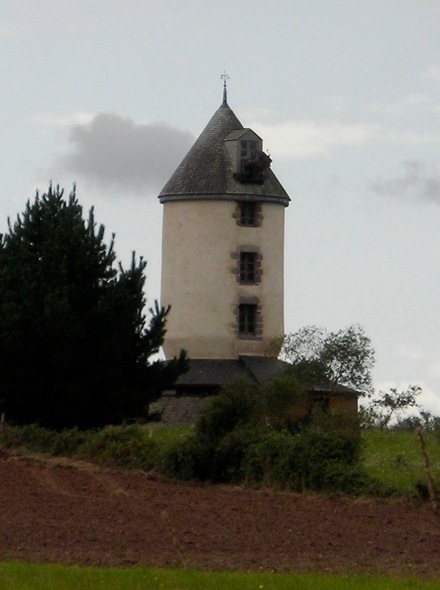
(73, 512)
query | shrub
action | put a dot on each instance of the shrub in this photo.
(43, 440)
(350, 479)
(274, 459)
(189, 458)
(321, 452)
(232, 407)
(230, 454)
(248, 433)
(128, 446)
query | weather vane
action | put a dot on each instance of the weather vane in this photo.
(225, 78)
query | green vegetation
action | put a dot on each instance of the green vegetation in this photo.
(246, 434)
(25, 576)
(383, 407)
(393, 457)
(390, 461)
(310, 460)
(74, 340)
(252, 433)
(128, 446)
(345, 357)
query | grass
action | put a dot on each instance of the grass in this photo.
(394, 458)
(26, 576)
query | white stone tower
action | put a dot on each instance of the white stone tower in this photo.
(223, 246)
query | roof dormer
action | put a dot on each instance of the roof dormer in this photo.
(245, 148)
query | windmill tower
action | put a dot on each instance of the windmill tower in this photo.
(223, 247)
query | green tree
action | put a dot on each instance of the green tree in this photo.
(385, 406)
(345, 357)
(74, 340)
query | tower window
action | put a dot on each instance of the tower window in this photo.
(248, 213)
(248, 266)
(249, 320)
(247, 315)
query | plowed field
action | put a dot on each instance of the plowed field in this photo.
(73, 512)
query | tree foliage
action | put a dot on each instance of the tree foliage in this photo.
(74, 339)
(345, 357)
(386, 406)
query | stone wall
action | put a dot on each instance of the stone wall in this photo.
(179, 410)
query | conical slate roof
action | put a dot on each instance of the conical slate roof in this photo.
(207, 170)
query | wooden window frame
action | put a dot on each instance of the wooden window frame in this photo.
(248, 268)
(248, 265)
(247, 319)
(248, 323)
(248, 213)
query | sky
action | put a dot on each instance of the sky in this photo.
(110, 95)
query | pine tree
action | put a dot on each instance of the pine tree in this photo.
(74, 342)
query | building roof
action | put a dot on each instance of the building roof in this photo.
(207, 170)
(219, 372)
(215, 373)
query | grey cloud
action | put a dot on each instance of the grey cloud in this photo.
(417, 180)
(113, 151)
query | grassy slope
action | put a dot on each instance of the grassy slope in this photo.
(395, 458)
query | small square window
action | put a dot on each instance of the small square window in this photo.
(248, 213)
(248, 151)
(247, 267)
(247, 315)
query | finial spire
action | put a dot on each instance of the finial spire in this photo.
(225, 78)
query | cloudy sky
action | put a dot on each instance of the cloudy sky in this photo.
(346, 95)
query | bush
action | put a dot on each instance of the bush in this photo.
(43, 440)
(321, 453)
(247, 433)
(274, 459)
(30, 436)
(230, 454)
(128, 446)
(233, 407)
(313, 458)
(188, 458)
(350, 479)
